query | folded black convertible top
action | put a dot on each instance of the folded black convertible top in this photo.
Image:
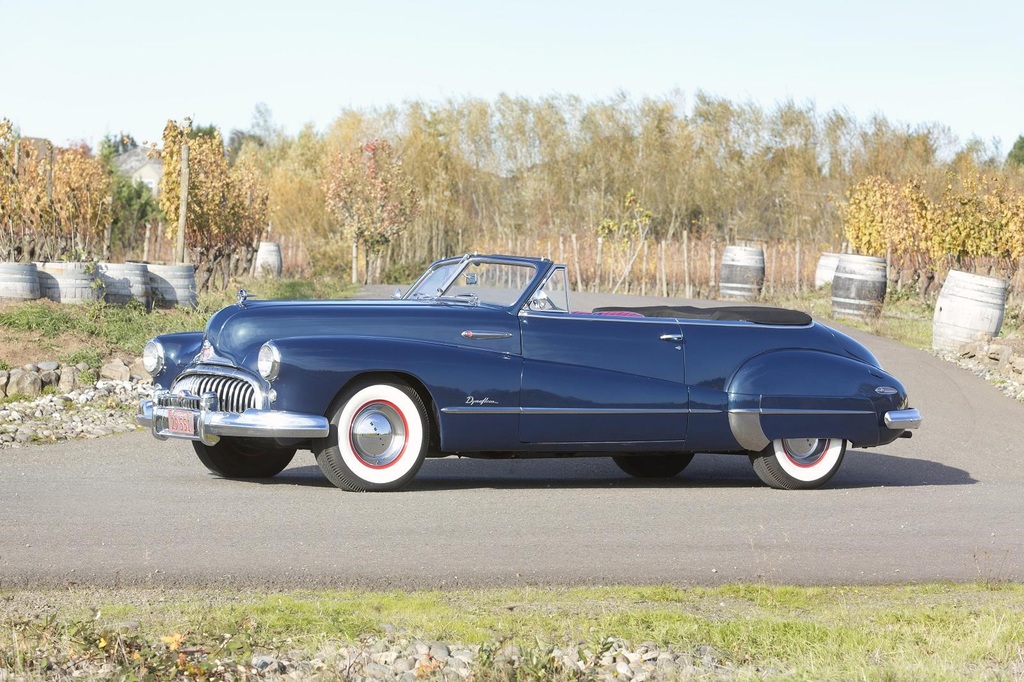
(739, 313)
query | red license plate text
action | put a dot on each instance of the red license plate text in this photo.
(181, 421)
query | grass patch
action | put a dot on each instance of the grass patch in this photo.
(934, 631)
(126, 328)
(903, 319)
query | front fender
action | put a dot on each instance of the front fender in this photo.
(179, 351)
(810, 394)
(315, 369)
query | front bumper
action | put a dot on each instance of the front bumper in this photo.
(903, 419)
(203, 421)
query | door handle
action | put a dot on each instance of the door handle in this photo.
(674, 338)
(485, 336)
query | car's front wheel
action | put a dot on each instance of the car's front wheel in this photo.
(799, 463)
(378, 439)
(654, 466)
(233, 459)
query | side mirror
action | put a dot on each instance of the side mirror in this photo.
(471, 279)
(397, 294)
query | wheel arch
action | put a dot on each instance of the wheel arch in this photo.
(393, 376)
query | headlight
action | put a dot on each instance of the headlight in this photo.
(153, 357)
(269, 361)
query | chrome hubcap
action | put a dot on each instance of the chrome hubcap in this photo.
(805, 451)
(378, 434)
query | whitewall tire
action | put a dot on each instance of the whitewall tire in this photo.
(799, 463)
(378, 439)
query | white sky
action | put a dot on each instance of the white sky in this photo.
(80, 69)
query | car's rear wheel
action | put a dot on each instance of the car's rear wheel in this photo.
(233, 459)
(378, 439)
(654, 466)
(799, 463)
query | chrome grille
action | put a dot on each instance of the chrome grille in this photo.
(235, 394)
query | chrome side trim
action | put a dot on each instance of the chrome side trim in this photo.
(776, 411)
(903, 419)
(481, 410)
(569, 410)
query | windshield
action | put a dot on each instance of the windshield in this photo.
(476, 280)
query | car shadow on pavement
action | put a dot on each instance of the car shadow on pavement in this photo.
(860, 469)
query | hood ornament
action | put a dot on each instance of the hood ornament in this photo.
(243, 296)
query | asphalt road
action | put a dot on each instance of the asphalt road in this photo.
(129, 510)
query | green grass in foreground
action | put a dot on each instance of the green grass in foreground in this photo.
(936, 631)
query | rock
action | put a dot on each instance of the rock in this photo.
(440, 651)
(22, 382)
(49, 377)
(115, 370)
(4, 377)
(48, 366)
(68, 380)
(139, 373)
(999, 354)
(30, 367)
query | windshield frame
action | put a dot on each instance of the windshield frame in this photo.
(540, 266)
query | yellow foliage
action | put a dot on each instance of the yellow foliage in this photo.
(977, 216)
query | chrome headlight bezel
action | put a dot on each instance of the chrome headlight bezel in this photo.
(153, 357)
(268, 361)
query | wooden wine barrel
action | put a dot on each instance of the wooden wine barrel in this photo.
(826, 270)
(858, 287)
(268, 260)
(124, 282)
(968, 306)
(173, 285)
(68, 282)
(19, 282)
(742, 273)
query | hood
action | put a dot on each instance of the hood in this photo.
(236, 332)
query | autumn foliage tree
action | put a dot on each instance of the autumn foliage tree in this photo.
(54, 202)
(81, 197)
(227, 207)
(978, 219)
(371, 199)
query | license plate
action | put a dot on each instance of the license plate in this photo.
(181, 421)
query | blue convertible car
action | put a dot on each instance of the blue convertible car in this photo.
(484, 356)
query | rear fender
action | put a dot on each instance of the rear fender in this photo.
(809, 394)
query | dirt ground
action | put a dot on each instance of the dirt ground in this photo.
(19, 348)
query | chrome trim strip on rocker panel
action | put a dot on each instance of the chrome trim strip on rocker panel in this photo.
(569, 410)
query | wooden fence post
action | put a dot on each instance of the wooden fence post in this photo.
(179, 245)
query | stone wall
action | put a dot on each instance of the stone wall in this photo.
(32, 380)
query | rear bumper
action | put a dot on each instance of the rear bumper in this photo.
(207, 424)
(903, 419)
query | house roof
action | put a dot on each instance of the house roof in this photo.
(131, 161)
